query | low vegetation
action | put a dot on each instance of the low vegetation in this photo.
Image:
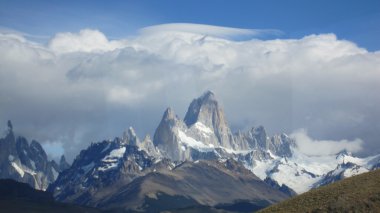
(360, 193)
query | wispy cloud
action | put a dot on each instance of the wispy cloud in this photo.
(6, 30)
(209, 30)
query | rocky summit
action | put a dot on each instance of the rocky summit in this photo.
(27, 162)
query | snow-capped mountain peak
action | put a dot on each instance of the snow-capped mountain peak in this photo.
(206, 115)
(205, 109)
(205, 102)
(169, 114)
(130, 137)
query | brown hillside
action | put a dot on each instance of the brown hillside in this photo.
(360, 193)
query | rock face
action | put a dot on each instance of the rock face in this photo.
(63, 165)
(206, 117)
(130, 138)
(26, 162)
(166, 137)
(257, 139)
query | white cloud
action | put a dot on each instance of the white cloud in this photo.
(311, 146)
(122, 95)
(87, 40)
(83, 87)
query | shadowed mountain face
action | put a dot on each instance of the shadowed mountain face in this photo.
(360, 193)
(200, 183)
(20, 197)
(11, 189)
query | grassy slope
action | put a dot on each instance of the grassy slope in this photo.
(360, 193)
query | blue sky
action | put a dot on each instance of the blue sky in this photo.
(358, 21)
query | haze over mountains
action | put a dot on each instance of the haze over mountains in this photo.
(196, 161)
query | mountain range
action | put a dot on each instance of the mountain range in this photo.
(190, 162)
(116, 175)
(204, 134)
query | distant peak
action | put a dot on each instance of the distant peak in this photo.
(258, 129)
(63, 159)
(147, 138)
(35, 144)
(130, 136)
(169, 113)
(131, 132)
(344, 152)
(207, 102)
(10, 126)
(63, 164)
(208, 95)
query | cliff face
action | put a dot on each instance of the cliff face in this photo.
(26, 162)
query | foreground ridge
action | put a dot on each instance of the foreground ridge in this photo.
(355, 194)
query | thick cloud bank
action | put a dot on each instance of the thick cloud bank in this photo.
(83, 87)
(84, 41)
